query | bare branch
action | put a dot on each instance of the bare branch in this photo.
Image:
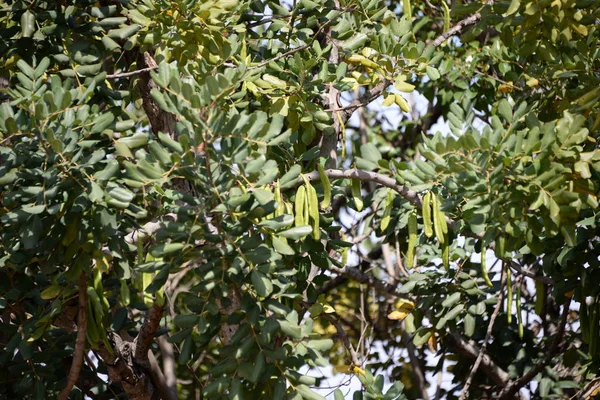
(363, 100)
(531, 274)
(415, 363)
(497, 374)
(79, 351)
(279, 57)
(488, 334)
(509, 391)
(342, 334)
(368, 176)
(489, 367)
(146, 335)
(590, 390)
(132, 73)
(456, 29)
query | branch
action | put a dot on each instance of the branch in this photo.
(590, 390)
(146, 335)
(367, 176)
(364, 100)
(491, 369)
(132, 73)
(466, 349)
(509, 391)
(342, 334)
(531, 274)
(79, 341)
(279, 57)
(359, 276)
(169, 367)
(416, 366)
(488, 334)
(456, 29)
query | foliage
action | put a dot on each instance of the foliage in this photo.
(208, 174)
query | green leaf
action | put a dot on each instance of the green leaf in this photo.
(262, 284)
(432, 73)
(505, 110)
(137, 140)
(307, 393)
(296, 233)
(513, 7)
(164, 249)
(282, 247)
(422, 336)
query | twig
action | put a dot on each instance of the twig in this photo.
(531, 274)
(459, 27)
(509, 391)
(364, 100)
(279, 57)
(342, 334)
(488, 335)
(79, 351)
(132, 73)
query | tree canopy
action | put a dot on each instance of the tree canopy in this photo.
(238, 198)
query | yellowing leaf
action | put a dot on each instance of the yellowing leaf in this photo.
(327, 309)
(358, 371)
(432, 344)
(341, 369)
(397, 315)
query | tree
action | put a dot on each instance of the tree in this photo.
(197, 201)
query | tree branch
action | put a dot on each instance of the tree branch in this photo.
(79, 351)
(367, 176)
(488, 334)
(365, 99)
(146, 335)
(509, 391)
(416, 365)
(132, 73)
(489, 367)
(456, 29)
(466, 349)
(342, 334)
(531, 274)
(169, 367)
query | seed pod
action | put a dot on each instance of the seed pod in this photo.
(356, 195)
(426, 210)
(438, 216)
(299, 207)
(326, 187)
(412, 240)
(446, 254)
(484, 271)
(540, 297)
(519, 316)
(385, 220)
(313, 210)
